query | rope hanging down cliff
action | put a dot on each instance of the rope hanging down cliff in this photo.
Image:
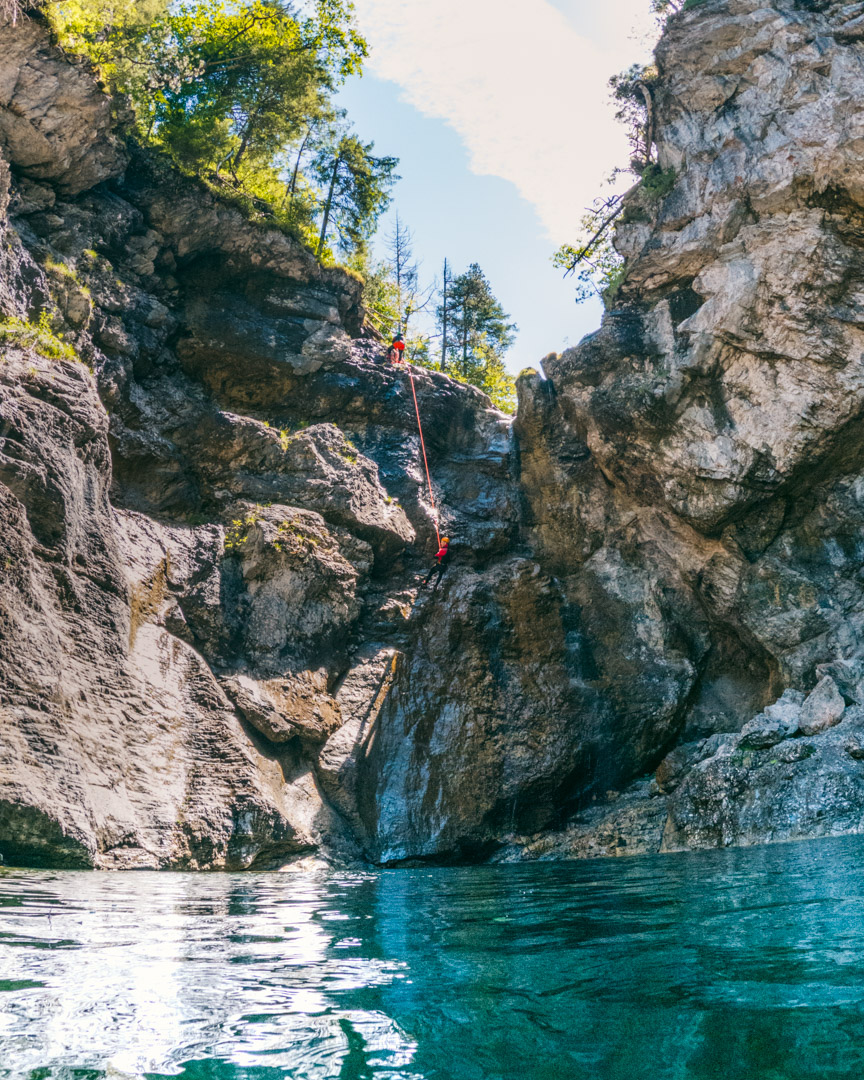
(425, 459)
(396, 352)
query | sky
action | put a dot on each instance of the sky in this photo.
(499, 113)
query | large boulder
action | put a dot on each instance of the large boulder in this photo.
(823, 708)
(56, 124)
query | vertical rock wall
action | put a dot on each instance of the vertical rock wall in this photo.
(214, 651)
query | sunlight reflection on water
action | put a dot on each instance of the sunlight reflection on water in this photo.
(141, 974)
(730, 964)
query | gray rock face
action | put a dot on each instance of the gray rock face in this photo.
(55, 123)
(199, 561)
(100, 706)
(804, 787)
(782, 719)
(214, 646)
(848, 676)
(823, 708)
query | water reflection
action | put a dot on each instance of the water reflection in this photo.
(726, 964)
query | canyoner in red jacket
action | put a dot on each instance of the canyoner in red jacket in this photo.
(442, 556)
(396, 352)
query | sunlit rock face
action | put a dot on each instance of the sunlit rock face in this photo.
(214, 515)
(215, 650)
(719, 414)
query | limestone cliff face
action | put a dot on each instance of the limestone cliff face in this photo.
(214, 651)
(690, 536)
(719, 413)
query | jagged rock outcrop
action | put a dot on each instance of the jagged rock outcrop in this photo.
(214, 651)
(721, 405)
(55, 122)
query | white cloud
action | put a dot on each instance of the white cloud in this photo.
(527, 93)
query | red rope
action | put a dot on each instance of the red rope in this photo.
(425, 459)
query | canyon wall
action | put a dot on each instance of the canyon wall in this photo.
(215, 651)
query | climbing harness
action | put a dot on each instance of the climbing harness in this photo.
(425, 459)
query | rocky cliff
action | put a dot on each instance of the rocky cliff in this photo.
(214, 650)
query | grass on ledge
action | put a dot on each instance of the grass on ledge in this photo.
(37, 336)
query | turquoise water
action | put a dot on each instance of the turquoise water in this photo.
(733, 964)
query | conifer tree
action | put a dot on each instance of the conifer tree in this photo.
(478, 335)
(358, 187)
(444, 312)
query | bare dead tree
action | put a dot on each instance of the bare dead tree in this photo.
(645, 90)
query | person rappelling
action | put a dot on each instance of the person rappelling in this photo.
(396, 352)
(442, 557)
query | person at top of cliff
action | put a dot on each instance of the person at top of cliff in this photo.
(396, 352)
(442, 557)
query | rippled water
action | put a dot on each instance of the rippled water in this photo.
(733, 964)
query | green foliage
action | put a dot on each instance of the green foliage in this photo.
(293, 539)
(597, 266)
(239, 93)
(380, 295)
(656, 182)
(631, 93)
(665, 9)
(38, 336)
(478, 335)
(358, 192)
(237, 533)
(60, 269)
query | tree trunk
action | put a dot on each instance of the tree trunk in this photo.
(465, 339)
(241, 150)
(244, 140)
(329, 204)
(293, 188)
(399, 274)
(645, 91)
(444, 322)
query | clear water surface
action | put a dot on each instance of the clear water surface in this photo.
(728, 964)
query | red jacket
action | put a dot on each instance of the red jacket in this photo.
(442, 553)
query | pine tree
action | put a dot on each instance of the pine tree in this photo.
(358, 187)
(478, 335)
(444, 312)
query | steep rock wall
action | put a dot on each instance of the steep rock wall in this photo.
(213, 513)
(214, 650)
(720, 408)
(689, 479)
